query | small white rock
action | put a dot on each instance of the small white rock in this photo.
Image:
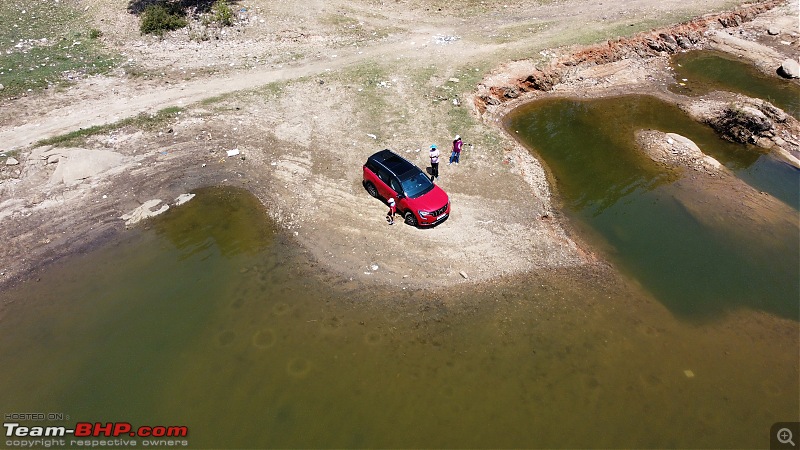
(463, 274)
(11, 161)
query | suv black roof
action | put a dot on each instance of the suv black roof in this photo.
(393, 162)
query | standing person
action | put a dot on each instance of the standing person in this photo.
(434, 162)
(454, 157)
(392, 211)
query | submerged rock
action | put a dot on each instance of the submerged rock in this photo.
(183, 198)
(144, 211)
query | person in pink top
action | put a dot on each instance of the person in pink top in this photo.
(454, 157)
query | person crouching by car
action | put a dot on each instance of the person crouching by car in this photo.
(392, 211)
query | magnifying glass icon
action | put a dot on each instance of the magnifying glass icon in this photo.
(785, 436)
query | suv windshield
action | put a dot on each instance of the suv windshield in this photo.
(415, 183)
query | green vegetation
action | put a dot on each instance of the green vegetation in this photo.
(46, 44)
(142, 121)
(352, 30)
(613, 31)
(221, 13)
(371, 102)
(161, 17)
(9, 154)
(515, 33)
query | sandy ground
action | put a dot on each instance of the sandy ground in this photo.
(306, 93)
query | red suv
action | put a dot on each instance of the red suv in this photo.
(422, 203)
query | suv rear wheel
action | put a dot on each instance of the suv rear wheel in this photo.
(410, 219)
(371, 189)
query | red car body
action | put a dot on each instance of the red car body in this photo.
(419, 200)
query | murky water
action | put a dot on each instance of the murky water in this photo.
(706, 71)
(211, 320)
(652, 223)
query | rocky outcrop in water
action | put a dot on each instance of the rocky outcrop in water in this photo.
(751, 121)
(674, 150)
(747, 123)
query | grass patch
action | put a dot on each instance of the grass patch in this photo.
(611, 32)
(221, 13)
(4, 155)
(274, 90)
(46, 45)
(211, 101)
(515, 33)
(371, 100)
(142, 121)
(469, 9)
(340, 21)
(354, 31)
(159, 18)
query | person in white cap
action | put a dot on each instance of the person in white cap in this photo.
(392, 211)
(434, 162)
(454, 157)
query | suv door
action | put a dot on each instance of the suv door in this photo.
(384, 178)
(398, 194)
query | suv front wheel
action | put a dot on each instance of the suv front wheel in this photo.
(410, 219)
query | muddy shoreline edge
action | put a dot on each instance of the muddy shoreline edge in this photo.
(185, 175)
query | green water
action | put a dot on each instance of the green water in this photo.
(642, 216)
(707, 71)
(211, 320)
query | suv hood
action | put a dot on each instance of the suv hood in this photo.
(431, 201)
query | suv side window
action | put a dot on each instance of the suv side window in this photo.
(395, 185)
(383, 175)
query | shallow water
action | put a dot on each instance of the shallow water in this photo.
(644, 219)
(706, 71)
(210, 319)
